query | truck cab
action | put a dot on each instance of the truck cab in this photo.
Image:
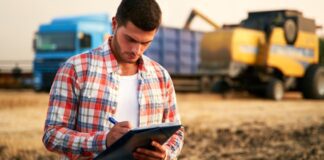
(62, 38)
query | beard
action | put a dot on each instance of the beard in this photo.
(123, 57)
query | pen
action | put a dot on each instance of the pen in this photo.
(112, 120)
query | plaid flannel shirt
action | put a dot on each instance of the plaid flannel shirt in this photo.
(84, 95)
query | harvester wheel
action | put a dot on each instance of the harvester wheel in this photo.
(275, 89)
(290, 30)
(220, 86)
(313, 82)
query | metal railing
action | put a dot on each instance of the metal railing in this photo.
(11, 66)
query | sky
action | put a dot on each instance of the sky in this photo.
(19, 19)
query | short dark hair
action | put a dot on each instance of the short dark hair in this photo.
(144, 14)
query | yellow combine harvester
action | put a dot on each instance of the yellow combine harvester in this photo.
(268, 53)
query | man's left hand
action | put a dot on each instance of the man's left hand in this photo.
(146, 154)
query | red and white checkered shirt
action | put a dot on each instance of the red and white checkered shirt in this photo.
(84, 94)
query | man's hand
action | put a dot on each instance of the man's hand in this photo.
(145, 154)
(117, 131)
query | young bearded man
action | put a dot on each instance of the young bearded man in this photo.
(113, 80)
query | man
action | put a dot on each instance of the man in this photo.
(113, 80)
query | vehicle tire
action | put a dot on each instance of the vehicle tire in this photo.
(313, 82)
(290, 30)
(37, 89)
(275, 89)
(220, 86)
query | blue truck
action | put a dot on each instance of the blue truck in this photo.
(175, 49)
(62, 38)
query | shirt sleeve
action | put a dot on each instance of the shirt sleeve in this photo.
(60, 133)
(175, 143)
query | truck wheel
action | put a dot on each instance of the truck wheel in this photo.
(275, 89)
(37, 88)
(313, 83)
(290, 30)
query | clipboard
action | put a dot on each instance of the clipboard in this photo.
(138, 137)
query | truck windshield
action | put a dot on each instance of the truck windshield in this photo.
(49, 42)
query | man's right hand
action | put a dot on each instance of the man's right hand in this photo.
(117, 131)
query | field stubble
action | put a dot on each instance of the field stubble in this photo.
(217, 127)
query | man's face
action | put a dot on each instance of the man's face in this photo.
(130, 42)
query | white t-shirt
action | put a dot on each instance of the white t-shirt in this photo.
(127, 100)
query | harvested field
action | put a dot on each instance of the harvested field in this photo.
(234, 126)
